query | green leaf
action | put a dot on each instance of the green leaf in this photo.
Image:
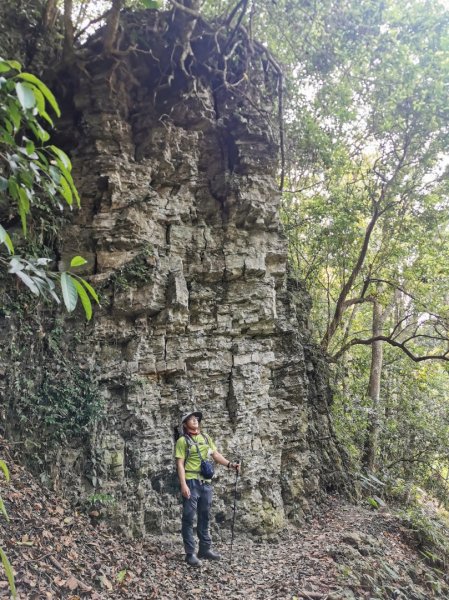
(43, 261)
(9, 573)
(26, 177)
(373, 502)
(40, 100)
(39, 131)
(13, 161)
(89, 288)
(41, 284)
(29, 282)
(14, 64)
(7, 138)
(24, 208)
(43, 160)
(25, 95)
(47, 117)
(40, 104)
(85, 301)
(54, 296)
(150, 4)
(4, 469)
(8, 126)
(13, 188)
(3, 509)
(43, 134)
(69, 179)
(7, 65)
(69, 292)
(121, 576)
(3, 184)
(62, 156)
(5, 239)
(30, 148)
(77, 261)
(14, 114)
(55, 174)
(43, 89)
(15, 265)
(66, 191)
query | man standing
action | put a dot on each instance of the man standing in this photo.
(196, 489)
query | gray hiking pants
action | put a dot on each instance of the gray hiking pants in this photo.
(198, 505)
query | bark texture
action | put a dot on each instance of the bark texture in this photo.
(372, 436)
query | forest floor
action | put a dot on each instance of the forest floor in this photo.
(349, 552)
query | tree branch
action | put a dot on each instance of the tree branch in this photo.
(411, 459)
(244, 5)
(392, 342)
(339, 309)
(185, 9)
(92, 22)
(361, 300)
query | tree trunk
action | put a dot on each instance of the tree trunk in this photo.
(68, 30)
(50, 12)
(372, 438)
(112, 27)
(340, 306)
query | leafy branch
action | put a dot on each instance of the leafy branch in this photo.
(30, 169)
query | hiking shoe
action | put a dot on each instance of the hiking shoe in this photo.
(209, 554)
(192, 560)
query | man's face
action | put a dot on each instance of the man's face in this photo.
(192, 422)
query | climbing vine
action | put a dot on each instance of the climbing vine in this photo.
(136, 272)
(59, 396)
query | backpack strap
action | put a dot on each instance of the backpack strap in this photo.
(191, 443)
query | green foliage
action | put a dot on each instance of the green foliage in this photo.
(414, 421)
(64, 404)
(30, 167)
(4, 469)
(431, 534)
(373, 503)
(102, 499)
(150, 4)
(56, 395)
(5, 562)
(136, 272)
(30, 170)
(367, 128)
(9, 572)
(368, 132)
(121, 576)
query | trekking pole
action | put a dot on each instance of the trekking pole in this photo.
(234, 510)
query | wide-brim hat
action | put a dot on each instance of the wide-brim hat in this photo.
(194, 413)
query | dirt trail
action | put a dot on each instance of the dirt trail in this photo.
(348, 553)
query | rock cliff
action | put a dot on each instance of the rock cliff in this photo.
(174, 151)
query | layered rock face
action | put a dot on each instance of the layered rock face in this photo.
(176, 167)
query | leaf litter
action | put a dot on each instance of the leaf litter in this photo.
(348, 552)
